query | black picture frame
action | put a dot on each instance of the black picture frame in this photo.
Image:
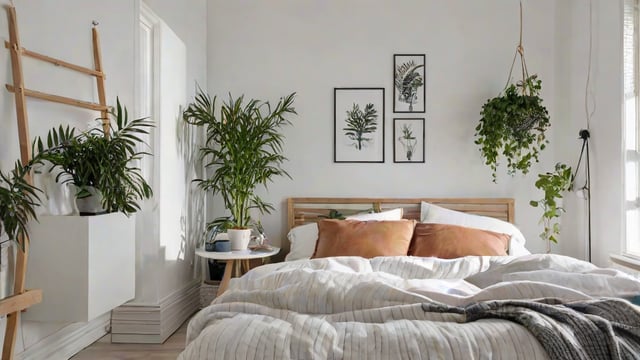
(359, 124)
(409, 140)
(409, 83)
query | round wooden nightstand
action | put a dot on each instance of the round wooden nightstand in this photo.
(237, 262)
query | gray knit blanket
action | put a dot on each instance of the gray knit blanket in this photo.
(595, 329)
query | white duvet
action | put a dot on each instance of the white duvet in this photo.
(355, 308)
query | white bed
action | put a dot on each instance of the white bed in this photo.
(398, 307)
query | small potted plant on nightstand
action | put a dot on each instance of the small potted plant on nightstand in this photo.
(243, 149)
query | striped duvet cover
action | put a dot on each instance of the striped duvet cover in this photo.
(355, 308)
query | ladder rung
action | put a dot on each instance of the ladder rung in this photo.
(20, 302)
(58, 62)
(60, 99)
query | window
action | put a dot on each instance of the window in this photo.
(631, 128)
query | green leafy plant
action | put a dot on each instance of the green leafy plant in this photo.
(360, 123)
(243, 149)
(106, 163)
(513, 126)
(333, 214)
(408, 141)
(407, 81)
(18, 200)
(553, 184)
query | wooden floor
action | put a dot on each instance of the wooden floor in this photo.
(104, 349)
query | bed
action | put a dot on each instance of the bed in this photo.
(406, 306)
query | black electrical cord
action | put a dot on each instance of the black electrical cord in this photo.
(585, 135)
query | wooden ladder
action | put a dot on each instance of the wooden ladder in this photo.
(23, 299)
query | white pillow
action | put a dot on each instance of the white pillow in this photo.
(303, 241)
(395, 214)
(430, 213)
(303, 238)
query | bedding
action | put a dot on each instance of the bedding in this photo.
(303, 238)
(363, 238)
(398, 307)
(430, 213)
(452, 241)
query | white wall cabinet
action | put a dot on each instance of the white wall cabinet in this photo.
(85, 266)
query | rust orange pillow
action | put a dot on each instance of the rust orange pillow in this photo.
(367, 239)
(452, 241)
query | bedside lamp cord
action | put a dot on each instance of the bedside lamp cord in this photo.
(585, 135)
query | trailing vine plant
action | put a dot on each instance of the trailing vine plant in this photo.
(554, 184)
(513, 124)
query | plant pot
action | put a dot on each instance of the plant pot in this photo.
(7, 268)
(92, 204)
(239, 238)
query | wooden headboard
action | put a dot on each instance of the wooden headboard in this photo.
(311, 209)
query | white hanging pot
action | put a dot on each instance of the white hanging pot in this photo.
(92, 204)
(7, 268)
(239, 238)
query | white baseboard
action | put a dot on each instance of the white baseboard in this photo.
(67, 341)
(153, 324)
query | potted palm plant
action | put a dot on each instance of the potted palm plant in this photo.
(18, 200)
(243, 149)
(103, 168)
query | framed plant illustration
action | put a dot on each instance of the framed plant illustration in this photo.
(408, 140)
(409, 83)
(358, 125)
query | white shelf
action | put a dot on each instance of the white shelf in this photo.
(85, 266)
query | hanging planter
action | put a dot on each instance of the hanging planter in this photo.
(513, 124)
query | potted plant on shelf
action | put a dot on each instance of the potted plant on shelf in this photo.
(101, 166)
(243, 149)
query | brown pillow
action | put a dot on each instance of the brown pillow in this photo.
(367, 239)
(452, 241)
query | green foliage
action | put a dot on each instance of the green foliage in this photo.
(18, 200)
(513, 125)
(553, 184)
(108, 163)
(360, 123)
(243, 148)
(407, 81)
(333, 214)
(408, 141)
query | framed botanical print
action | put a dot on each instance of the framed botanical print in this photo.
(409, 83)
(358, 125)
(408, 140)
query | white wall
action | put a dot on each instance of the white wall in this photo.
(165, 267)
(605, 100)
(268, 49)
(62, 29)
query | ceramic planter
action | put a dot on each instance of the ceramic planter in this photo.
(239, 238)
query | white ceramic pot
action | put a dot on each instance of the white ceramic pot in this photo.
(90, 205)
(239, 238)
(7, 268)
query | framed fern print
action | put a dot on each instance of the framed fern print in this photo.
(409, 83)
(358, 115)
(408, 140)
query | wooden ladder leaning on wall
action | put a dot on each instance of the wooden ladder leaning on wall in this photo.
(23, 299)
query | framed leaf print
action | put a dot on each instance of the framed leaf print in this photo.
(358, 125)
(408, 140)
(409, 83)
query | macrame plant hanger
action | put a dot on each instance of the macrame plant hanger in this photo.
(523, 62)
(21, 298)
